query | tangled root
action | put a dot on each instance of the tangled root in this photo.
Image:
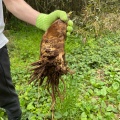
(52, 64)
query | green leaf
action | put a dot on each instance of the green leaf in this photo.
(118, 98)
(110, 108)
(119, 107)
(58, 115)
(30, 106)
(99, 116)
(103, 91)
(90, 91)
(91, 116)
(103, 104)
(93, 100)
(83, 116)
(93, 81)
(111, 99)
(65, 114)
(97, 91)
(115, 85)
(1, 118)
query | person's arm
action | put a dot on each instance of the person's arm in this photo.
(22, 10)
(25, 12)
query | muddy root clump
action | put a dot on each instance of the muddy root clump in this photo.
(51, 65)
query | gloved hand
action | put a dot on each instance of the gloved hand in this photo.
(44, 21)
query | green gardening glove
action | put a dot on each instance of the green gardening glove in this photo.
(44, 21)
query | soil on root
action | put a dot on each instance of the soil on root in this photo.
(51, 65)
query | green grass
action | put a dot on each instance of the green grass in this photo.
(92, 92)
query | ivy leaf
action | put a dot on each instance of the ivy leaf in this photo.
(115, 85)
(110, 108)
(103, 91)
(103, 104)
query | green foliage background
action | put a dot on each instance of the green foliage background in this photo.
(92, 92)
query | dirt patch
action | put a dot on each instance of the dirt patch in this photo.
(111, 21)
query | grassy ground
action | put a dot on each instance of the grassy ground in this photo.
(92, 92)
